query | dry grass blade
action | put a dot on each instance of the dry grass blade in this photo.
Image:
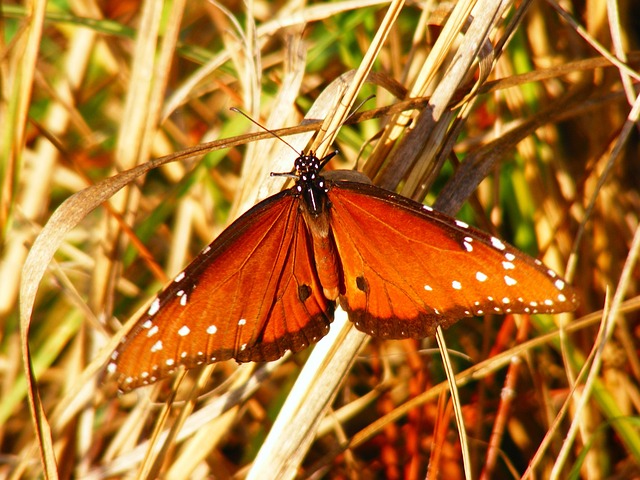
(457, 406)
(22, 88)
(287, 443)
(333, 122)
(435, 120)
(314, 391)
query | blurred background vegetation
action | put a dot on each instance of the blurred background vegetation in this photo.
(534, 140)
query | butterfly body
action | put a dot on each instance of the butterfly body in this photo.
(270, 282)
(315, 206)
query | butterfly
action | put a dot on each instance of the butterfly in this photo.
(270, 282)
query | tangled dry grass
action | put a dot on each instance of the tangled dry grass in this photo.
(521, 117)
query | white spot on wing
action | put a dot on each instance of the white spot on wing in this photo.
(242, 321)
(179, 277)
(508, 265)
(211, 329)
(481, 277)
(456, 285)
(497, 243)
(184, 331)
(428, 288)
(156, 346)
(152, 331)
(155, 306)
(510, 281)
(461, 224)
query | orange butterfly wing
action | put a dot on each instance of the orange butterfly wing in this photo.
(251, 295)
(399, 268)
(408, 269)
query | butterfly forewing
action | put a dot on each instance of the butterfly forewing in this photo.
(251, 295)
(408, 269)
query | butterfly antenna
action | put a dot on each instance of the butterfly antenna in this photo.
(355, 110)
(237, 110)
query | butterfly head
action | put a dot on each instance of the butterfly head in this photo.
(310, 184)
(307, 167)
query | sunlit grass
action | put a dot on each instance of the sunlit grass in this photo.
(528, 158)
